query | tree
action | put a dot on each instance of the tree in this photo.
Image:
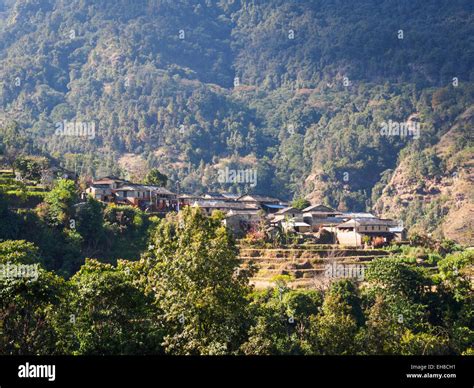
(281, 320)
(198, 284)
(398, 298)
(388, 332)
(155, 177)
(300, 203)
(31, 168)
(13, 143)
(31, 301)
(454, 276)
(456, 297)
(59, 203)
(334, 331)
(393, 276)
(270, 333)
(111, 313)
(90, 225)
(348, 291)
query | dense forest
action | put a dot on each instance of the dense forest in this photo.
(298, 90)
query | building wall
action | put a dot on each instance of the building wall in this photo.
(98, 193)
(240, 224)
(349, 238)
(303, 229)
(130, 194)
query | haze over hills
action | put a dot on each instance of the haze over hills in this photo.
(299, 90)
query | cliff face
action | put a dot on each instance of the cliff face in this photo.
(447, 198)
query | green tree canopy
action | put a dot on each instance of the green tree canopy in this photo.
(300, 203)
(60, 202)
(198, 285)
(111, 313)
(155, 177)
(31, 301)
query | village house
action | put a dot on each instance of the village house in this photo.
(355, 232)
(320, 216)
(221, 196)
(214, 196)
(353, 229)
(268, 204)
(130, 194)
(285, 213)
(240, 222)
(188, 199)
(226, 202)
(350, 216)
(159, 198)
(208, 206)
(289, 219)
(399, 233)
(231, 196)
(111, 181)
(100, 192)
(295, 225)
(146, 197)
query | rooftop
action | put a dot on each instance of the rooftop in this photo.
(158, 189)
(257, 198)
(319, 208)
(99, 186)
(289, 209)
(225, 205)
(365, 222)
(358, 215)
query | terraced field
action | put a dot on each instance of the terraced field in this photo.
(309, 266)
(24, 195)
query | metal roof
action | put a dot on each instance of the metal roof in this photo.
(274, 206)
(298, 223)
(358, 215)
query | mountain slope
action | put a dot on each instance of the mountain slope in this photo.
(439, 202)
(297, 90)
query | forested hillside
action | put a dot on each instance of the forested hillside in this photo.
(297, 89)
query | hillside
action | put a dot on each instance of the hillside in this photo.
(297, 90)
(440, 202)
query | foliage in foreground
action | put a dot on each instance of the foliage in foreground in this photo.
(187, 296)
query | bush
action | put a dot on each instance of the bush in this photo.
(255, 238)
(22, 199)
